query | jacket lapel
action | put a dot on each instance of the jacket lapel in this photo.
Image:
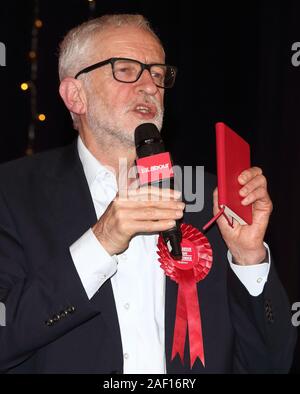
(72, 209)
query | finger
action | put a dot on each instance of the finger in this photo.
(136, 204)
(215, 201)
(255, 183)
(153, 194)
(162, 193)
(222, 222)
(259, 194)
(151, 213)
(151, 226)
(248, 174)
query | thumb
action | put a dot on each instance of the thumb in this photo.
(221, 221)
(216, 208)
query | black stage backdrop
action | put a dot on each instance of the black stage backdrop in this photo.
(235, 65)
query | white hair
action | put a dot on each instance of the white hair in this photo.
(76, 45)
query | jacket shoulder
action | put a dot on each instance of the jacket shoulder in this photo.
(39, 164)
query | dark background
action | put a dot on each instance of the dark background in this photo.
(234, 61)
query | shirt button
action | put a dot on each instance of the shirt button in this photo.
(126, 306)
(259, 280)
(126, 356)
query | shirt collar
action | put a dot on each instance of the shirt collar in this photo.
(93, 169)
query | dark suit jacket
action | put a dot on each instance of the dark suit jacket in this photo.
(52, 326)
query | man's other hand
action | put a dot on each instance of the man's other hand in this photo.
(245, 242)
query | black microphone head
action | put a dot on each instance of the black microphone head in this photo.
(144, 132)
(148, 140)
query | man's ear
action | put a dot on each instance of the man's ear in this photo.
(73, 95)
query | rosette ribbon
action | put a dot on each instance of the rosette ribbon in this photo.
(195, 265)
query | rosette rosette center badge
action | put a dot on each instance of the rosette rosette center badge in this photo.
(194, 266)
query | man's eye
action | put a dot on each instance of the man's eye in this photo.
(125, 69)
(158, 73)
(158, 76)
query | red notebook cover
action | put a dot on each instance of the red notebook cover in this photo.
(233, 157)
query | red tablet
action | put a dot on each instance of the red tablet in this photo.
(233, 157)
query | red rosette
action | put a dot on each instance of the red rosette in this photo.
(195, 265)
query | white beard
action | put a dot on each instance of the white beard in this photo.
(109, 131)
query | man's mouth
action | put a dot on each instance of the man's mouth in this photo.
(145, 110)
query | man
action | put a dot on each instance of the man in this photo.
(79, 275)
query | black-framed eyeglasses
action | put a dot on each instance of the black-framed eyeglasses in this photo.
(129, 71)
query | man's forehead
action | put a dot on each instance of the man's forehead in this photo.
(125, 38)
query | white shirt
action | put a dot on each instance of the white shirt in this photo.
(137, 280)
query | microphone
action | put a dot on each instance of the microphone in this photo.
(155, 168)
